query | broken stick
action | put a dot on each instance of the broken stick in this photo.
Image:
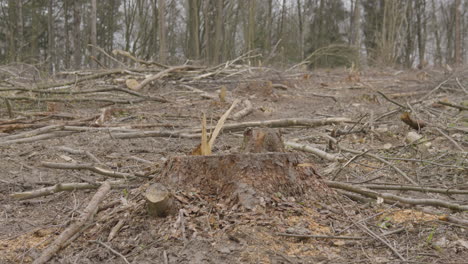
(74, 228)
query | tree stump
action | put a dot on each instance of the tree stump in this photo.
(158, 200)
(249, 179)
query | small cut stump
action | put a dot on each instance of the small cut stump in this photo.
(249, 179)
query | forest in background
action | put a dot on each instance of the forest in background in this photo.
(63, 34)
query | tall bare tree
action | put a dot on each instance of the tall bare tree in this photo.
(218, 38)
(193, 27)
(458, 33)
(355, 22)
(51, 36)
(435, 29)
(421, 28)
(12, 24)
(93, 32)
(20, 27)
(66, 32)
(77, 34)
(162, 32)
(35, 31)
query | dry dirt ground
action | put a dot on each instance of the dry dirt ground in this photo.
(207, 229)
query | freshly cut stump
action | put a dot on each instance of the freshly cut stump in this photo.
(250, 179)
(158, 200)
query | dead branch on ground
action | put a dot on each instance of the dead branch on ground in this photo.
(388, 196)
(74, 228)
(91, 167)
(63, 187)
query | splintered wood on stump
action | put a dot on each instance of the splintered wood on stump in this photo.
(249, 179)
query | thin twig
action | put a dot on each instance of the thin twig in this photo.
(450, 139)
(111, 250)
(320, 236)
(391, 101)
(371, 233)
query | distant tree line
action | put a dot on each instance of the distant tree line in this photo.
(71, 34)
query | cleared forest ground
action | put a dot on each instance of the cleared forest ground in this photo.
(88, 127)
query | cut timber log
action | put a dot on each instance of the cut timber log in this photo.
(249, 179)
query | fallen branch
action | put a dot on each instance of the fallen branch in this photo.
(61, 187)
(389, 196)
(288, 122)
(461, 86)
(162, 74)
(301, 122)
(202, 93)
(86, 78)
(323, 96)
(374, 235)
(450, 139)
(111, 250)
(391, 101)
(102, 100)
(459, 107)
(90, 167)
(403, 174)
(56, 134)
(35, 132)
(74, 228)
(80, 152)
(414, 188)
(433, 90)
(319, 236)
(244, 112)
(322, 154)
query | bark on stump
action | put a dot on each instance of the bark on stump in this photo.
(250, 179)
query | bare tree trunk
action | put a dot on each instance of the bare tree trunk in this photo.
(231, 39)
(66, 28)
(129, 21)
(34, 36)
(207, 29)
(449, 32)
(356, 24)
(12, 24)
(218, 39)
(421, 31)
(20, 27)
(301, 29)
(435, 25)
(458, 39)
(51, 36)
(355, 39)
(162, 32)
(281, 25)
(409, 34)
(268, 29)
(93, 33)
(194, 29)
(77, 34)
(320, 24)
(250, 26)
(154, 28)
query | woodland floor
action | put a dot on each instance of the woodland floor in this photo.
(206, 230)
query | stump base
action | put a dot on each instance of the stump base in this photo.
(249, 179)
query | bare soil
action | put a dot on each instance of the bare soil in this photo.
(207, 229)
